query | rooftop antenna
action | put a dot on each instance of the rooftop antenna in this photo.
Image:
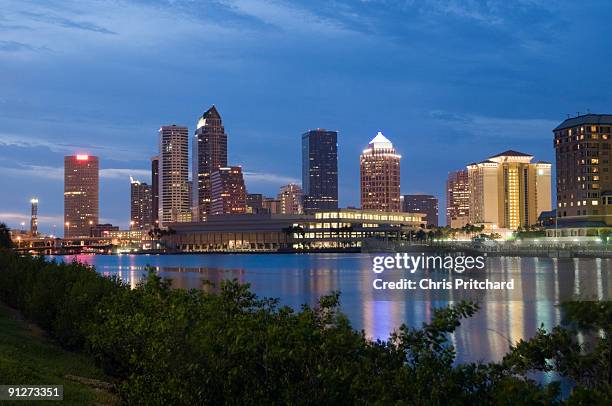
(577, 113)
(568, 115)
(588, 111)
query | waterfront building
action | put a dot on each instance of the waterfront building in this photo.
(271, 205)
(338, 230)
(174, 199)
(209, 154)
(426, 204)
(457, 199)
(380, 176)
(155, 190)
(584, 166)
(320, 170)
(290, 198)
(81, 194)
(508, 191)
(140, 205)
(102, 230)
(34, 217)
(228, 193)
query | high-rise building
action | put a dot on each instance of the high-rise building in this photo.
(209, 154)
(155, 190)
(508, 191)
(457, 199)
(426, 204)
(290, 197)
(174, 199)
(34, 217)
(320, 170)
(81, 193)
(380, 176)
(584, 168)
(228, 193)
(141, 200)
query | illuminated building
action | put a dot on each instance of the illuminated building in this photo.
(320, 170)
(140, 205)
(228, 193)
(209, 154)
(81, 191)
(380, 176)
(290, 198)
(102, 230)
(34, 217)
(508, 191)
(155, 190)
(583, 164)
(426, 204)
(457, 199)
(338, 230)
(174, 199)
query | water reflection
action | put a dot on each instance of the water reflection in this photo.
(504, 317)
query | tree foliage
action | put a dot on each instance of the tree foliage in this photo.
(228, 346)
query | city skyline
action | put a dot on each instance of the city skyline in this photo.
(437, 80)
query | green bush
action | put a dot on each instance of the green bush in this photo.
(228, 346)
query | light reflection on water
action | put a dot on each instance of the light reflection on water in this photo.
(540, 283)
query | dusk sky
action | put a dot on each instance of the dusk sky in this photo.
(448, 82)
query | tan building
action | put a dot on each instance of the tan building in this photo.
(228, 193)
(174, 198)
(508, 191)
(457, 199)
(380, 176)
(271, 205)
(81, 194)
(290, 198)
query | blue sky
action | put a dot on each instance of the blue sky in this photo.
(449, 82)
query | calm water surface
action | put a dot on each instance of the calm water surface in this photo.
(540, 283)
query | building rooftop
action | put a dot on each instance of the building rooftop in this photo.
(590, 119)
(380, 142)
(511, 152)
(208, 114)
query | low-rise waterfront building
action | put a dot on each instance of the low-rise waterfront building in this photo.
(336, 230)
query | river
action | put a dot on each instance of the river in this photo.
(504, 317)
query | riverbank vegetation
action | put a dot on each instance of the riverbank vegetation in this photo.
(28, 357)
(226, 345)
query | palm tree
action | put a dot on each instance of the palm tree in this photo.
(5, 237)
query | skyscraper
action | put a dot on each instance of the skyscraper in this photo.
(154, 190)
(81, 191)
(34, 217)
(209, 154)
(290, 197)
(141, 200)
(320, 170)
(228, 193)
(174, 199)
(427, 204)
(457, 199)
(508, 191)
(584, 168)
(380, 176)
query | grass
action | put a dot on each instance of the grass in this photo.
(27, 356)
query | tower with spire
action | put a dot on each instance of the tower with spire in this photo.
(209, 154)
